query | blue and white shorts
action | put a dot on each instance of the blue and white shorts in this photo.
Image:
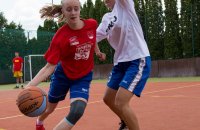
(131, 75)
(60, 85)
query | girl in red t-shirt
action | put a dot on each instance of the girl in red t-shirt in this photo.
(70, 59)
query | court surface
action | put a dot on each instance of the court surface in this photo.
(163, 106)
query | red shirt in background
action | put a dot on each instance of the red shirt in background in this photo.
(17, 62)
(74, 49)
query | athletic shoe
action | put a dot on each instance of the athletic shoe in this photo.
(123, 126)
(40, 127)
(16, 87)
(22, 86)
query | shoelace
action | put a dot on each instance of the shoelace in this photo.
(123, 126)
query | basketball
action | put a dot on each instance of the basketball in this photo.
(32, 101)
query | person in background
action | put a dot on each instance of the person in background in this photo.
(132, 62)
(17, 69)
(70, 57)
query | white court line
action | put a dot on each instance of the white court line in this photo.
(176, 96)
(10, 117)
(60, 108)
(163, 90)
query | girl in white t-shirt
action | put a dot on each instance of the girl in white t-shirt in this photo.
(132, 60)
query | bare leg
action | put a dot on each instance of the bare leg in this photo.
(109, 100)
(17, 80)
(63, 125)
(122, 100)
(21, 80)
(50, 108)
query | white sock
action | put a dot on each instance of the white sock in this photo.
(39, 122)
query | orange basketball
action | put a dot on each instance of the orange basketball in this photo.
(32, 101)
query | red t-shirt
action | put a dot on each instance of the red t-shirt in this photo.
(74, 49)
(17, 62)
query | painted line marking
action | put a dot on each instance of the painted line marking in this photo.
(60, 108)
(163, 90)
(10, 117)
(175, 96)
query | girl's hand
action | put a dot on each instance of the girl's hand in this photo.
(101, 56)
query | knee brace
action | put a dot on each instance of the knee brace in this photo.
(76, 111)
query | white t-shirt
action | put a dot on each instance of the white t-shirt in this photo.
(123, 31)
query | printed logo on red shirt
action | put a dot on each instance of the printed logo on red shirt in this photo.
(90, 34)
(16, 61)
(83, 51)
(73, 41)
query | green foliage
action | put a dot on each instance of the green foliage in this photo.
(97, 9)
(3, 21)
(84, 11)
(155, 28)
(49, 26)
(88, 10)
(186, 28)
(172, 40)
(142, 14)
(196, 27)
(44, 36)
(103, 10)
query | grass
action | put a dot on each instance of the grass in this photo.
(11, 86)
(169, 79)
(175, 79)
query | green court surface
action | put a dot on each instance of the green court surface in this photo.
(168, 79)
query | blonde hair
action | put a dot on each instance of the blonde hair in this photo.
(52, 11)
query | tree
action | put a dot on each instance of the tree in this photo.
(186, 28)
(84, 11)
(195, 5)
(91, 11)
(44, 36)
(87, 10)
(49, 26)
(155, 28)
(3, 21)
(97, 9)
(103, 10)
(141, 11)
(172, 40)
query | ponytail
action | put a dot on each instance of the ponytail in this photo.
(52, 11)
